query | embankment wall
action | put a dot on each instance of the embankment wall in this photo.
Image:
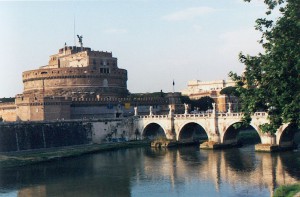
(20, 136)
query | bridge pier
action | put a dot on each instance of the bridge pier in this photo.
(268, 143)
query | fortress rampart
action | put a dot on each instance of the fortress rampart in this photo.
(78, 70)
(68, 81)
(77, 83)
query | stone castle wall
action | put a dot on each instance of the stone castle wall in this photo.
(37, 135)
(63, 108)
(48, 134)
(68, 81)
(8, 111)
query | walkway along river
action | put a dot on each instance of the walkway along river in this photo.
(185, 171)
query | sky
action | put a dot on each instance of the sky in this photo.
(156, 41)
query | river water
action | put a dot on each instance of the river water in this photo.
(185, 171)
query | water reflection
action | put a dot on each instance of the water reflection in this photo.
(156, 172)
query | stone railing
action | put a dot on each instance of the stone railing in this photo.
(154, 117)
(182, 116)
(202, 115)
(229, 114)
(260, 114)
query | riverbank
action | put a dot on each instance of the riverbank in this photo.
(42, 155)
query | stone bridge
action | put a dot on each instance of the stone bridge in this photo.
(216, 127)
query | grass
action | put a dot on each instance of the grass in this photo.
(30, 157)
(287, 190)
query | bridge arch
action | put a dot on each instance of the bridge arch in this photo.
(153, 130)
(192, 132)
(285, 135)
(230, 134)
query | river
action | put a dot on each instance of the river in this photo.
(185, 171)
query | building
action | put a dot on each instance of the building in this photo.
(77, 72)
(78, 83)
(197, 89)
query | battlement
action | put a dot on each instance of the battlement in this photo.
(72, 49)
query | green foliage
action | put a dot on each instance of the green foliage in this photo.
(6, 100)
(204, 103)
(271, 81)
(229, 91)
(185, 99)
(287, 190)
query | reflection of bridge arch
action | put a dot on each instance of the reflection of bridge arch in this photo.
(192, 131)
(239, 161)
(230, 133)
(153, 130)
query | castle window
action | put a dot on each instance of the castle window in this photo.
(105, 83)
(94, 62)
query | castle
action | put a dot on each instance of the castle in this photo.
(77, 83)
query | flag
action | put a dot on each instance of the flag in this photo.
(127, 105)
(173, 82)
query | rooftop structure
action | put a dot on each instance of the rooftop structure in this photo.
(76, 71)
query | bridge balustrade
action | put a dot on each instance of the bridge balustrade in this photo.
(181, 116)
(260, 114)
(154, 117)
(229, 114)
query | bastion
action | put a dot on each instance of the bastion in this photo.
(78, 83)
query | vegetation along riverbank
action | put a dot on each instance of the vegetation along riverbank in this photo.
(288, 190)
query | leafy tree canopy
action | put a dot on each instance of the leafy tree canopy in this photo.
(204, 103)
(229, 91)
(271, 79)
(5, 100)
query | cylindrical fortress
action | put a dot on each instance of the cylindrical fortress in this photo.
(77, 72)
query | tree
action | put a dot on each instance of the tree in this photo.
(229, 92)
(271, 79)
(185, 99)
(204, 103)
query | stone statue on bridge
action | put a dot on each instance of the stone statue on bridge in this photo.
(186, 107)
(151, 112)
(135, 111)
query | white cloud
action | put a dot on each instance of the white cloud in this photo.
(188, 14)
(115, 31)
